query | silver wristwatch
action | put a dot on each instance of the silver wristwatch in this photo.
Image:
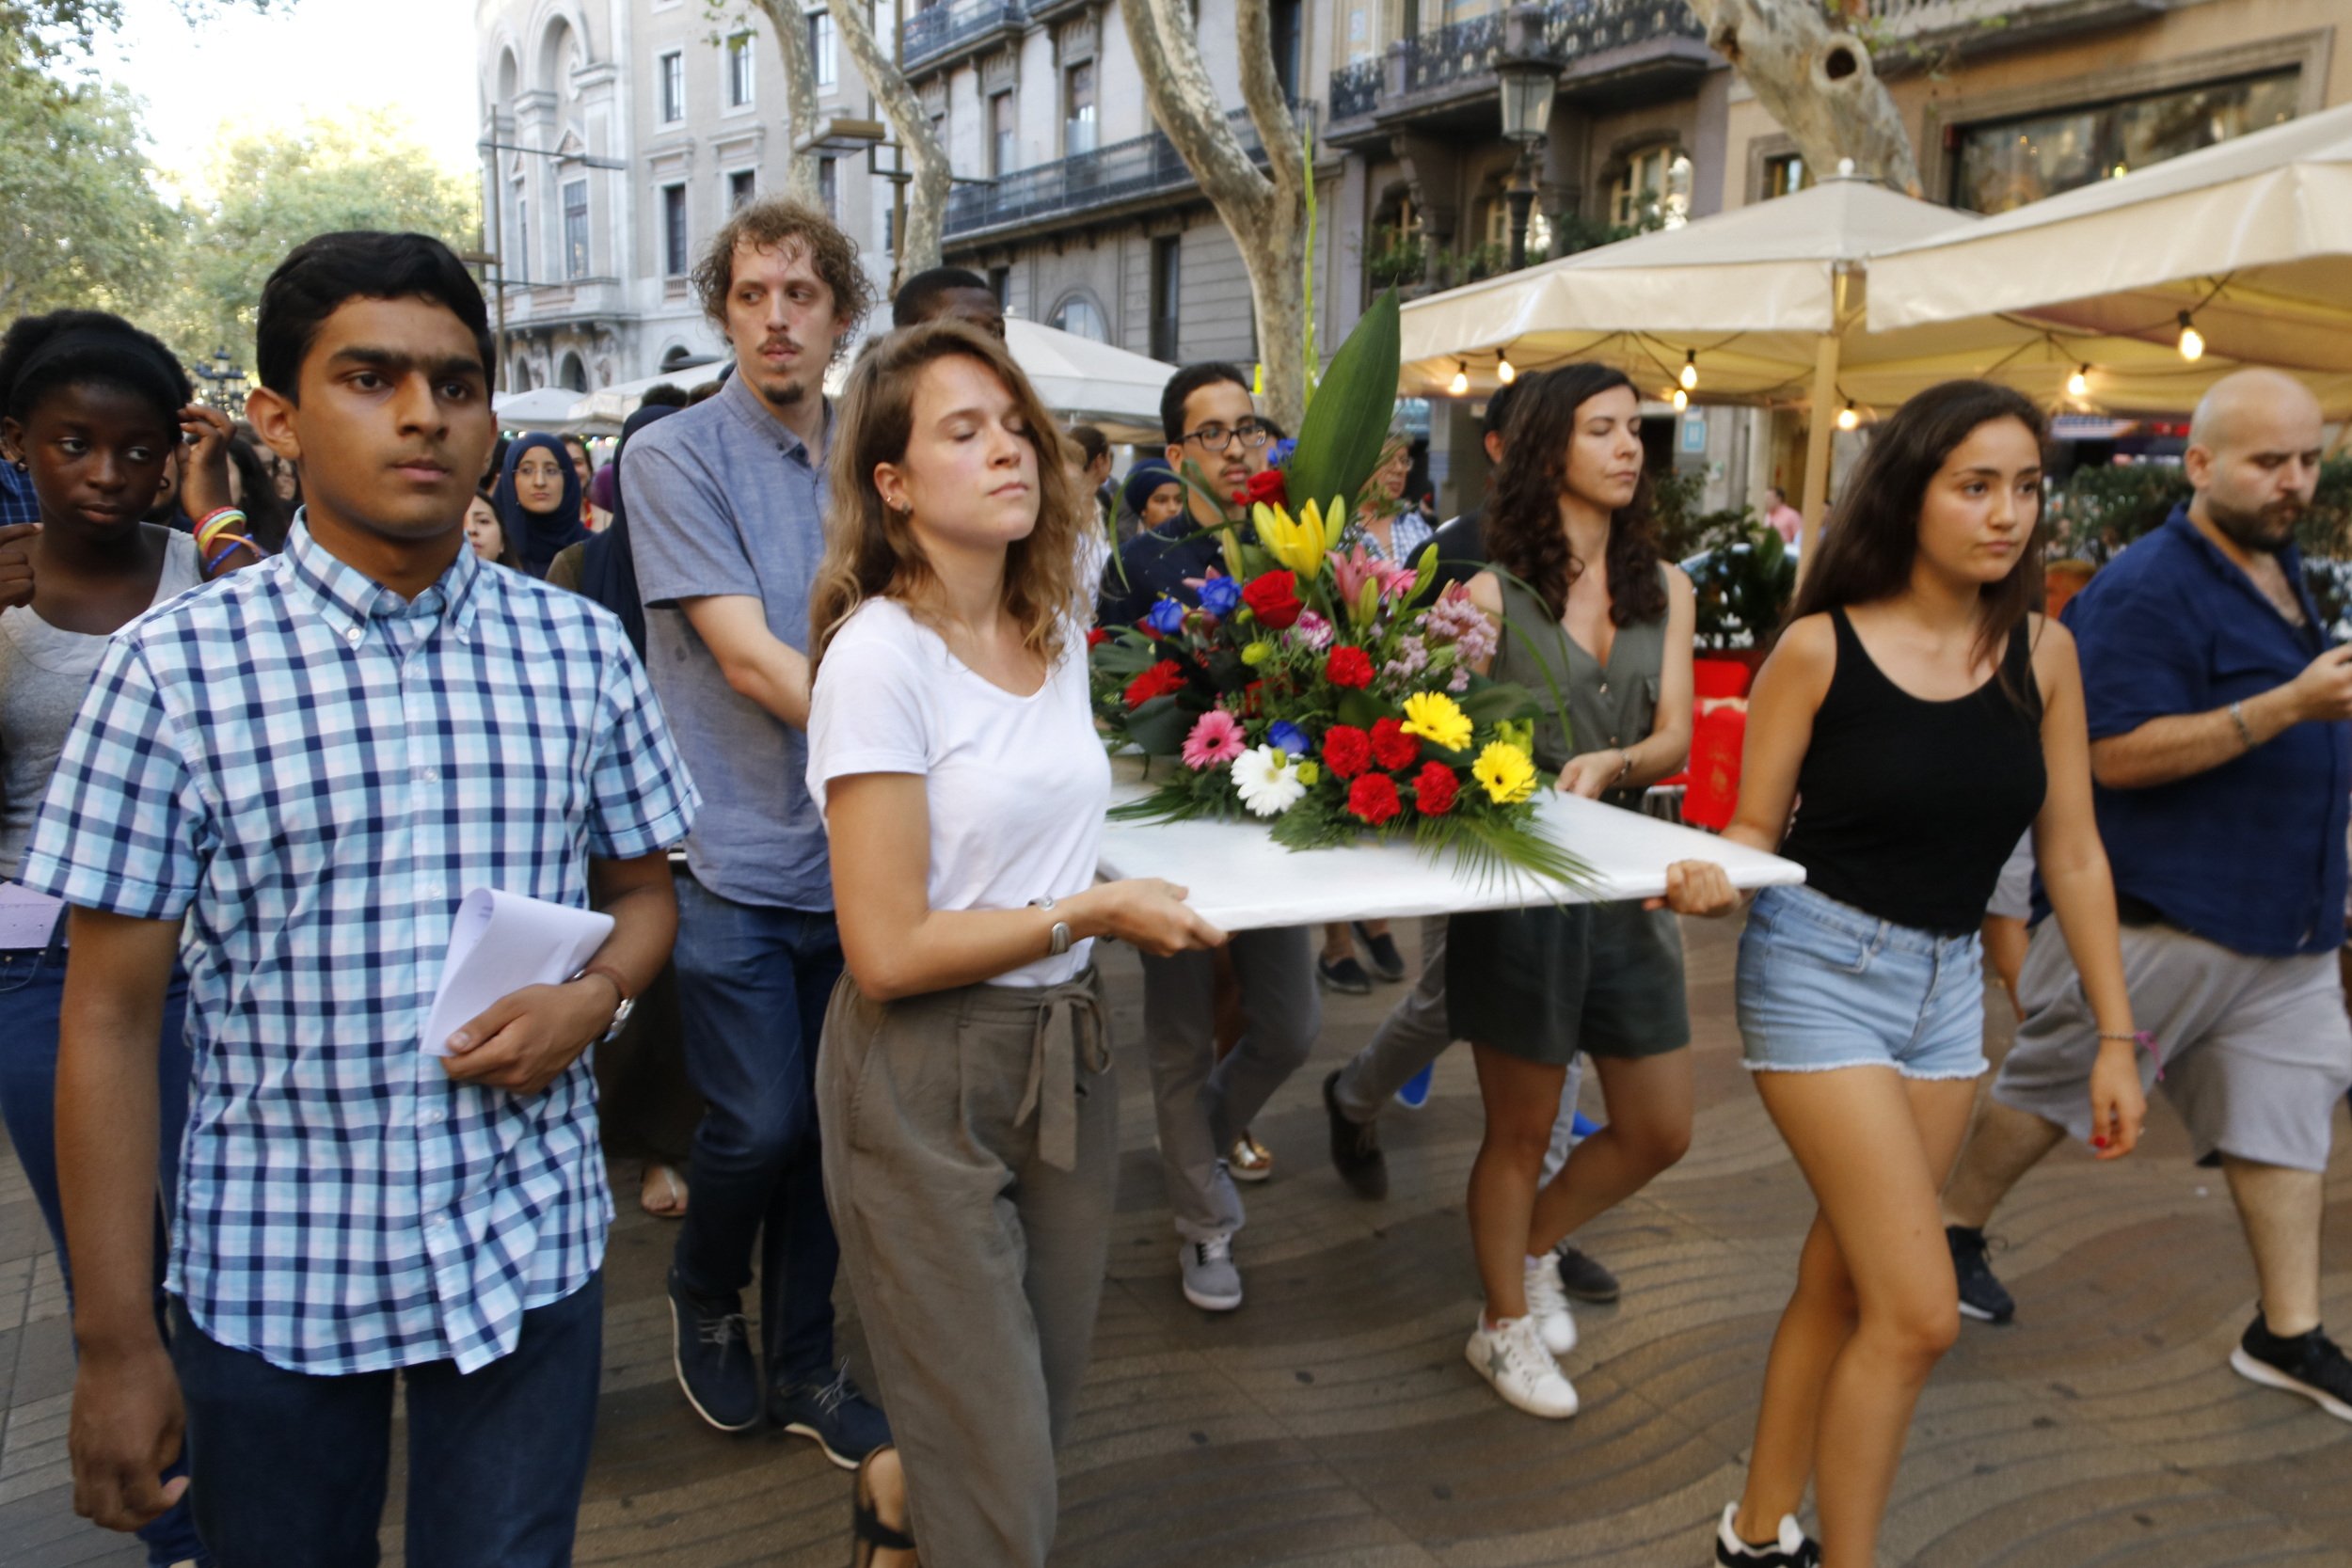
(1058, 941)
(620, 1014)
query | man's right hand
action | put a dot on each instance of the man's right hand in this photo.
(16, 563)
(2324, 691)
(126, 1429)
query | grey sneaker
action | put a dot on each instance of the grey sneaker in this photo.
(1211, 1281)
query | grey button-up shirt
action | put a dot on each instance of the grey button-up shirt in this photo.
(724, 499)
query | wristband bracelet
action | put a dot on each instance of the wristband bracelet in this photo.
(2237, 717)
(211, 523)
(236, 542)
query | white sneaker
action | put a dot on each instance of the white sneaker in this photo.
(1211, 1281)
(1547, 1306)
(1511, 1355)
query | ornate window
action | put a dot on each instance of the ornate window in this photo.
(2005, 163)
(1654, 191)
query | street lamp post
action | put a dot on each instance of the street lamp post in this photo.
(1526, 68)
(224, 382)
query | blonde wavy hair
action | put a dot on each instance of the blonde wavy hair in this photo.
(871, 552)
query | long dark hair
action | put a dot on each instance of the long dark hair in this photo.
(1872, 538)
(1522, 527)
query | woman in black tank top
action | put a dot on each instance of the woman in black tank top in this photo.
(1917, 719)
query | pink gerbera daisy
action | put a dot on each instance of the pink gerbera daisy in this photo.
(1216, 738)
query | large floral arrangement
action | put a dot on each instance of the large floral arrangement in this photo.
(1328, 693)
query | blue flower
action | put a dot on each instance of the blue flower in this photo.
(1289, 737)
(1167, 617)
(1279, 456)
(1218, 595)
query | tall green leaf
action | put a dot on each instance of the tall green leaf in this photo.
(1347, 418)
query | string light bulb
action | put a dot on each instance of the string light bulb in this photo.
(2079, 385)
(1459, 385)
(1506, 371)
(1848, 418)
(1681, 400)
(2192, 341)
(1689, 377)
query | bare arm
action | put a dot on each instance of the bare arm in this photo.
(757, 663)
(898, 945)
(127, 1419)
(1787, 693)
(524, 1040)
(2180, 745)
(2073, 867)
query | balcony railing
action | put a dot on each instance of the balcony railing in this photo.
(1433, 63)
(1356, 88)
(936, 29)
(1123, 171)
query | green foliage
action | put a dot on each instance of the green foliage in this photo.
(2099, 510)
(79, 222)
(1347, 419)
(1400, 262)
(1744, 575)
(269, 192)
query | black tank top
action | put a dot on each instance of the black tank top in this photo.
(1906, 808)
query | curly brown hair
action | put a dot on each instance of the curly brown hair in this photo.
(774, 223)
(871, 552)
(1523, 529)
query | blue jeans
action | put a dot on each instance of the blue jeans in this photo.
(32, 988)
(753, 983)
(289, 1469)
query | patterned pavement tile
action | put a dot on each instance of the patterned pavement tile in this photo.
(1332, 1423)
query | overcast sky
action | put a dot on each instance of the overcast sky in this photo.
(241, 67)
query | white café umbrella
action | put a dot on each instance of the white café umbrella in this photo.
(1090, 383)
(554, 410)
(2251, 237)
(1763, 301)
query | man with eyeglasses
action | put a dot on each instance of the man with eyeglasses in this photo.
(1216, 439)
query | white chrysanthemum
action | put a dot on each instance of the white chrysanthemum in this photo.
(1268, 783)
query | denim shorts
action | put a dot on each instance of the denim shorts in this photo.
(1821, 985)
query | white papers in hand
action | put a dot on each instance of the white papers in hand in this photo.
(500, 943)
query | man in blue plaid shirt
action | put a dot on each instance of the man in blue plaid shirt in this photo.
(309, 765)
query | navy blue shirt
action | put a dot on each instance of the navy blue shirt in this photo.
(2250, 854)
(1155, 563)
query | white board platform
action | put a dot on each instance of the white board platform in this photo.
(1241, 879)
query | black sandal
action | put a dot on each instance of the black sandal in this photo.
(867, 1534)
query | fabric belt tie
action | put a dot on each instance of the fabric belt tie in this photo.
(1063, 1013)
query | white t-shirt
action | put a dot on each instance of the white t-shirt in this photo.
(1016, 786)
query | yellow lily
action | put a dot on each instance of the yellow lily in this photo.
(1299, 543)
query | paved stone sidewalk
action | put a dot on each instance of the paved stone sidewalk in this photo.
(1332, 1421)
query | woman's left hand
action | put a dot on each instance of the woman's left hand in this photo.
(204, 466)
(1696, 887)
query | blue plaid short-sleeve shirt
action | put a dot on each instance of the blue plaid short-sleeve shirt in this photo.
(314, 770)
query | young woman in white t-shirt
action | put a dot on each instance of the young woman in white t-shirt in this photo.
(965, 1081)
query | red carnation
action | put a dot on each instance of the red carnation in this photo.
(1096, 637)
(1265, 486)
(1433, 789)
(1392, 746)
(1158, 681)
(1373, 798)
(1348, 666)
(1273, 598)
(1346, 750)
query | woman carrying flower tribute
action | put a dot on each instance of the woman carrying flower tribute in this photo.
(965, 1079)
(1602, 633)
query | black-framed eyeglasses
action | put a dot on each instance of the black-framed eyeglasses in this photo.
(1217, 437)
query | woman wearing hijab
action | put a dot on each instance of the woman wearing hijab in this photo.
(538, 502)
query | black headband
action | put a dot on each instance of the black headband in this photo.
(125, 355)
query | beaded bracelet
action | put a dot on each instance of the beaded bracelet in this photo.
(2144, 1041)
